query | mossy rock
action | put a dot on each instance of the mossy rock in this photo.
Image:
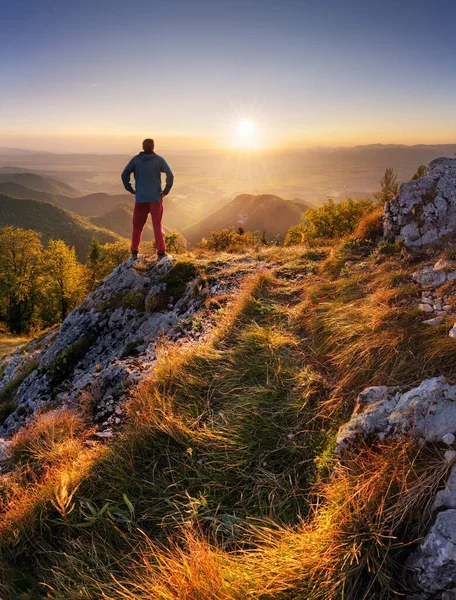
(134, 300)
(157, 302)
(64, 364)
(179, 276)
(131, 349)
(8, 393)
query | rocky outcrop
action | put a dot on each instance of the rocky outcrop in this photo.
(107, 344)
(435, 304)
(434, 563)
(428, 412)
(425, 209)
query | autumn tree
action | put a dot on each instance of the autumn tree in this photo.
(65, 280)
(21, 253)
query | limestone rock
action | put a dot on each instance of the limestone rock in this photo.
(103, 347)
(425, 209)
(450, 456)
(427, 411)
(434, 562)
(430, 276)
(434, 322)
(425, 308)
(446, 498)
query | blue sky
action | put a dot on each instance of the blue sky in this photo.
(74, 74)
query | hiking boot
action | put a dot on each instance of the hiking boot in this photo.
(134, 255)
(161, 255)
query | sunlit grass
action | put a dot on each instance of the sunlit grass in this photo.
(219, 487)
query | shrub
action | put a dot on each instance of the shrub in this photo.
(134, 300)
(157, 302)
(419, 172)
(175, 242)
(331, 220)
(230, 240)
(389, 187)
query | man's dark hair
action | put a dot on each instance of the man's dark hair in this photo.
(148, 143)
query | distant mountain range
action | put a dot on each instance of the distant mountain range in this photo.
(264, 213)
(39, 183)
(204, 180)
(178, 215)
(53, 222)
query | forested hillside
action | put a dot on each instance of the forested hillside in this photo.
(53, 222)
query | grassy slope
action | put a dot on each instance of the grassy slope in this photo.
(53, 222)
(208, 496)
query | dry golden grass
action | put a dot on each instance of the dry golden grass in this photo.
(348, 548)
(366, 329)
(9, 342)
(370, 227)
(50, 459)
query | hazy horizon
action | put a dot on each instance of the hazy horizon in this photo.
(10, 151)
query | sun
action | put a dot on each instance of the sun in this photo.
(245, 128)
(245, 134)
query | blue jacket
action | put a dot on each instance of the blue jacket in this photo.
(147, 169)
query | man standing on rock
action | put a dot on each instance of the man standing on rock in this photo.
(147, 168)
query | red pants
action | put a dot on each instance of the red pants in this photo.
(142, 210)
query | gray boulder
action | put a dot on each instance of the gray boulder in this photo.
(428, 412)
(425, 209)
(434, 562)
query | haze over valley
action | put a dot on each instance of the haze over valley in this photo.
(206, 184)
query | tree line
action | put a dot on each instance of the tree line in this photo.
(40, 284)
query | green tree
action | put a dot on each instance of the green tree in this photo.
(113, 255)
(65, 279)
(21, 254)
(389, 186)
